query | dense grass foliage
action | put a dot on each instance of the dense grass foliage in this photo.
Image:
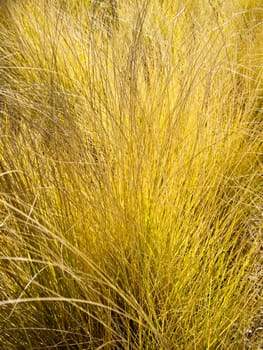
(131, 174)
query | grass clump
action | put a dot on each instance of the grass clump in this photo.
(130, 173)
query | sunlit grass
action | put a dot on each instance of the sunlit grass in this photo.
(131, 174)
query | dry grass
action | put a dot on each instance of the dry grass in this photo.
(131, 174)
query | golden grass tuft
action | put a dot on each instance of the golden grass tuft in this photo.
(131, 174)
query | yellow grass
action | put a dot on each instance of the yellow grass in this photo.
(131, 174)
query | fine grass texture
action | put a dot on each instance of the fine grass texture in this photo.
(131, 174)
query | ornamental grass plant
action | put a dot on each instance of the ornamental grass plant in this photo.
(131, 174)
